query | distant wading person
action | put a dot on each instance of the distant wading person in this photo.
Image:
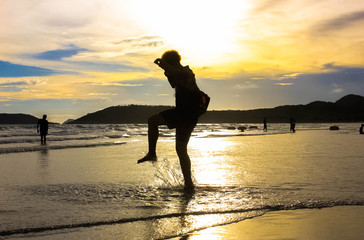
(293, 124)
(265, 125)
(42, 125)
(190, 104)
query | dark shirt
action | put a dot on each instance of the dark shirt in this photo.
(43, 126)
(187, 92)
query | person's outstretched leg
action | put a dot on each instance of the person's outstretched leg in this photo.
(153, 133)
(184, 159)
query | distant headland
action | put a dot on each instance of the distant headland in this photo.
(349, 108)
(18, 118)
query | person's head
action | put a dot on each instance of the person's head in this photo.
(172, 57)
(44, 117)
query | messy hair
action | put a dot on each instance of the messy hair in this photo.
(171, 56)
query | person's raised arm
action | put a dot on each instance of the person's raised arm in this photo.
(170, 71)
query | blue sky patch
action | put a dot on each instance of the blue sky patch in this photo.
(10, 70)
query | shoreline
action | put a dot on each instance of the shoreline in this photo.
(331, 223)
(334, 223)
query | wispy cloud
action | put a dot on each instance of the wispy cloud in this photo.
(104, 67)
(10, 89)
(340, 22)
(289, 76)
(246, 86)
(284, 84)
(20, 85)
(119, 84)
(59, 54)
(27, 81)
(100, 94)
(12, 84)
(145, 41)
(269, 4)
(336, 88)
(138, 44)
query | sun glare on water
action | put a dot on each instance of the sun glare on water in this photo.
(210, 156)
(200, 29)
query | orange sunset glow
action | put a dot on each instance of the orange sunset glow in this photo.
(82, 56)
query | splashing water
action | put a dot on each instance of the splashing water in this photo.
(168, 173)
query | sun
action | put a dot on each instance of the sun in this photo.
(200, 29)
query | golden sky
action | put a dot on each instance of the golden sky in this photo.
(67, 58)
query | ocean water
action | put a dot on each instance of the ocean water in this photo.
(85, 183)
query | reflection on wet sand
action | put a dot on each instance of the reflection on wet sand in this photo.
(43, 163)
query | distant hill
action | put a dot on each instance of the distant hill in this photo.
(120, 114)
(347, 109)
(6, 118)
(68, 121)
(351, 101)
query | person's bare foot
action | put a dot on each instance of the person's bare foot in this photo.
(189, 188)
(148, 157)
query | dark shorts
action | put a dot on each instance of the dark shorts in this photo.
(183, 122)
(43, 133)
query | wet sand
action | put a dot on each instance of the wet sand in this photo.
(336, 223)
(344, 222)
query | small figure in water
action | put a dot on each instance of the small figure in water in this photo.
(183, 117)
(42, 125)
(265, 129)
(361, 131)
(293, 124)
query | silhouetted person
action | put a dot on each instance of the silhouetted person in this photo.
(42, 128)
(265, 125)
(361, 131)
(183, 117)
(293, 125)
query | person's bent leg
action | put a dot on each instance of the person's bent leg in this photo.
(153, 134)
(185, 162)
